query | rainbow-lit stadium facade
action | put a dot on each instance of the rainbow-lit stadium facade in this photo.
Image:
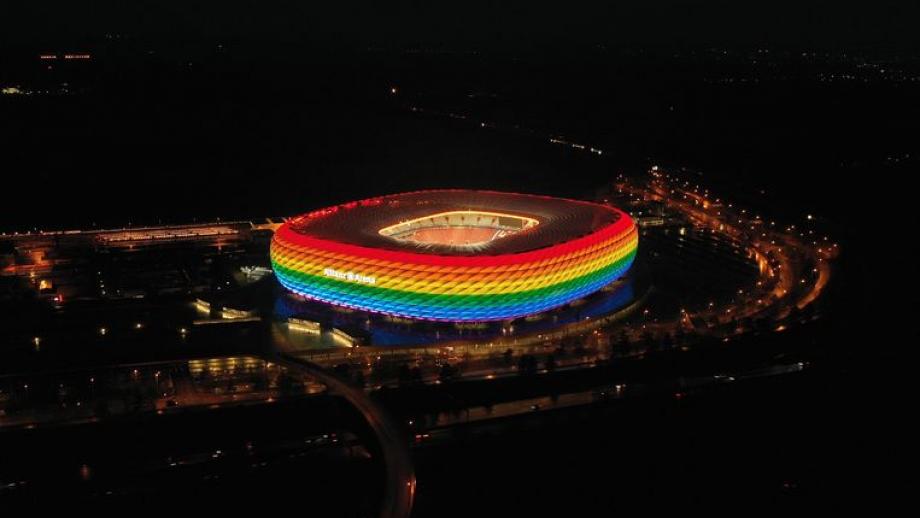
(454, 255)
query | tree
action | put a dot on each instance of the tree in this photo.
(342, 370)
(286, 384)
(623, 345)
(648, 340)
(667, 342)
(359, 378)
(415, 374)
(680, 335)
(508, 354)
(447, 372)
(527, 364)
(404, 375)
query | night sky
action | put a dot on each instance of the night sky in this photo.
(888, 26)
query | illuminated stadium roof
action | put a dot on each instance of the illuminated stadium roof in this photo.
(454, 255)
(540, 220)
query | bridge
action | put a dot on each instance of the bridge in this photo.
(399, 492)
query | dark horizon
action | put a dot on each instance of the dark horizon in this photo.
(520, 27)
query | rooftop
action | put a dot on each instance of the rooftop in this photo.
(457, 222)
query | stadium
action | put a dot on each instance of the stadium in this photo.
(454, 255)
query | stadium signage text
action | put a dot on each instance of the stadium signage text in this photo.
(349, 276)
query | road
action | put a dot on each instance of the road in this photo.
(683, 387)
(399, 493)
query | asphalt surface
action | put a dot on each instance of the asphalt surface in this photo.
(399, 492)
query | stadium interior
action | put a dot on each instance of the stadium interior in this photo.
(462, 229)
